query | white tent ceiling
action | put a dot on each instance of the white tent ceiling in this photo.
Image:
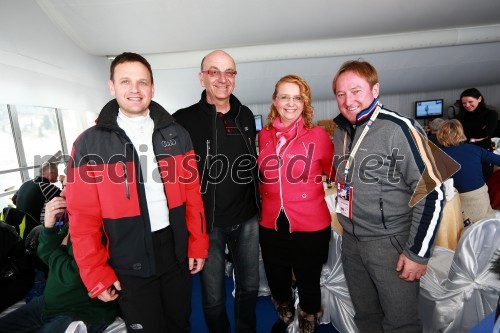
(417, 46)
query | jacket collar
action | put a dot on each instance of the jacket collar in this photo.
(40, 179)
(361, 118)
(108, 114)
(210, 108)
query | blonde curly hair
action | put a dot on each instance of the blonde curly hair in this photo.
(305, 93)
(451, 133)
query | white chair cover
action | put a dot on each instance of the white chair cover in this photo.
(335, 299)
(454, 302)
(76, 327)
(118, 326)
(12, 307)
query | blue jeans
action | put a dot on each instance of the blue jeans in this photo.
(243, 243)
(30, 318)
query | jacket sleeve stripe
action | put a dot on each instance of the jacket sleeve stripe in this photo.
(428, 193)
(428, 231)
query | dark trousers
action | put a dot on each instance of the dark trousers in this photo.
(30, 318)
(15, 288)
(304, 253)
(160, 303)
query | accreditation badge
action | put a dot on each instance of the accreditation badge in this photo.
(344, 200)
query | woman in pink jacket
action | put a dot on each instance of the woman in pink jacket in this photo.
(295, 226)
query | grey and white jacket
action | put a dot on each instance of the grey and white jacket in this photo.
(384, 176)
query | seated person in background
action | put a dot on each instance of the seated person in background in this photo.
(65, 298)
(34, 193)
(469, 180)
(434, 126)
(16, 269)
(41, 269)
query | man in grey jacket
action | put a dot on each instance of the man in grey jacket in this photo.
(389, 203)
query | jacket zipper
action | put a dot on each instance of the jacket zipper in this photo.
(253, 153)
(381, 203)
(280, 159)
(125, 177)
(216, 171)
(144, 210)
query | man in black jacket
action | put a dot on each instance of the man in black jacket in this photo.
(35, 193)
(223, 134)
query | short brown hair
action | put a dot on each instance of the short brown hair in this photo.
(47, 168)
(305, 92)
(451, 133)
(129, 57)
(360, 67)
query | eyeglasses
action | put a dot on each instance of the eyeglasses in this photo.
(215, 72)
(287, 98)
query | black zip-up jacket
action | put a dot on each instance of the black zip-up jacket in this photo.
(200, 121)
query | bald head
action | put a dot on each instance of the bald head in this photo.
(217, 54)
(214, 77)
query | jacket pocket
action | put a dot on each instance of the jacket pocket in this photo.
(266, 146)
(118, 192)
(123, 235)
(381, 205)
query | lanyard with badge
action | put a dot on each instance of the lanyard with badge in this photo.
(345, 192)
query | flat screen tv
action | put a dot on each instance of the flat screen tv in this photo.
(258, 122)
(432, 108)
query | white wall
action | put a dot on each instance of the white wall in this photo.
(401, 103)
(40, 66)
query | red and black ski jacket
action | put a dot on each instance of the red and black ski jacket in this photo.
(106, 199)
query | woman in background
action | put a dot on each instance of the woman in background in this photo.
(478, 121)
(295, 227)
(468, 180)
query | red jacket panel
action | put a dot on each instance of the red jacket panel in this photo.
(293, 182)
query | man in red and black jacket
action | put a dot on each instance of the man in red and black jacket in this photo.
(133, 181)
